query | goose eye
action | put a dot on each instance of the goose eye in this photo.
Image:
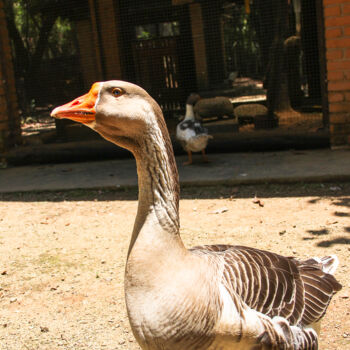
(116, 92)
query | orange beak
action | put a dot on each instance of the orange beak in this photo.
(82, 109)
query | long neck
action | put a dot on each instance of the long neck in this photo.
(189, 112)
(157, 221)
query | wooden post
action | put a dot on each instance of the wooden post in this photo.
(96, 44)
(211, 13)
(322, 60)
(87, 55)
(109, 28)
(99, 42)
(199, 46)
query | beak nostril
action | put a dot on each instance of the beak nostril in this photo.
(75, 103)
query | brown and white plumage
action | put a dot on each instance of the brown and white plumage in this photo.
(216, 297)
(298, 291)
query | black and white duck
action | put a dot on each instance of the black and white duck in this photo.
(191, 133)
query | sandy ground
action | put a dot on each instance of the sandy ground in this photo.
(62, 255)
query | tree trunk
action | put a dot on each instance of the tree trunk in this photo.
(273, 16)
(292, 57)
(27, 66)
(21, 53)
(277, 86)
(31, 77)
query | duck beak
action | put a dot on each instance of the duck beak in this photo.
(81, 109)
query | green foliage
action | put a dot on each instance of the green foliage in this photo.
(144, 35)
(28, 18)
(44, 47)
(241, 45)
(62, 39)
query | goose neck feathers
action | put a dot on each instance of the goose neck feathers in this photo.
(189, 115)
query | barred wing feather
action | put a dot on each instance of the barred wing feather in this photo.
(274, 285)
(319, 289)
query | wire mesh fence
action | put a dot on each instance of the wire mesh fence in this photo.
(266, 57)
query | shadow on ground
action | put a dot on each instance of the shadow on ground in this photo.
(330, 243)
(338, 191)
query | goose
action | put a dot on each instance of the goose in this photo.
(215, 297)
(191, 133)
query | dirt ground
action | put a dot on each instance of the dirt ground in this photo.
(62, 255)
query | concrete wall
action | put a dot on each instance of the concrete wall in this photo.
(337, 34)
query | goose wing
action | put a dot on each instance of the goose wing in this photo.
(319, 287)
(185, 130)
(200, 129)
(190, 128)
(274, 285)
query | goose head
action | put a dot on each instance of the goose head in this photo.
(121, 112)
(192, 99)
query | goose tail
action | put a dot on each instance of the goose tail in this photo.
(328, 264)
